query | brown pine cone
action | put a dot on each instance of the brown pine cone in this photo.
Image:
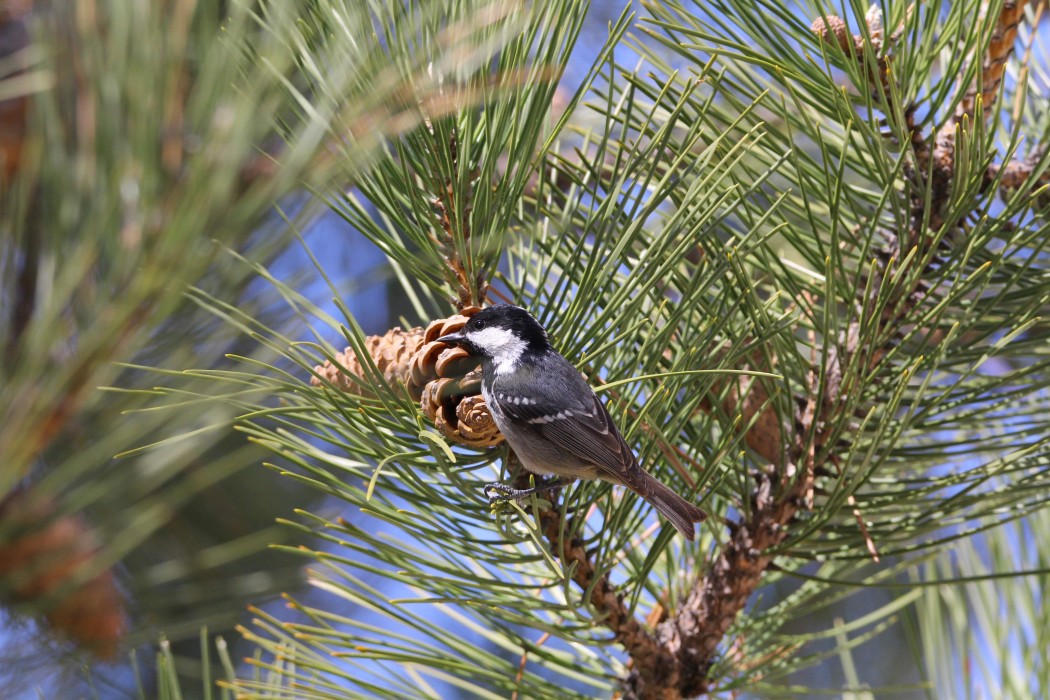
(476, 426)
(832, 30)
(444, 379)
(439, 405)
(458, 411)
(412, 357)
(41, 555)
(392, 354)
(436, 359)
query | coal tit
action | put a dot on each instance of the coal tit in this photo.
(550, 416)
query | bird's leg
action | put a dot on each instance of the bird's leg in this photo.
(509, 493)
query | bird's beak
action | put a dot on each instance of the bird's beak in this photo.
(452, 339)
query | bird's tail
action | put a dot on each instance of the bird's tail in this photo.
(678, 511)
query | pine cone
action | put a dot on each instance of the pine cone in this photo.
(444, 379)
(476, 426)
(392, 354)
(439, 404)
(41, 553)
(458, 411)
(436, 359)
(412, 358)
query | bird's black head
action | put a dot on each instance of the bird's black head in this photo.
(501, 333)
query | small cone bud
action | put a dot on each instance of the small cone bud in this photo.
(873, 18)
(834, 29)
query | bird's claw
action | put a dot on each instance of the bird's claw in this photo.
(503, 494)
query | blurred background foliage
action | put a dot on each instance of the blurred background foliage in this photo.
(202, 201)
(149, 147)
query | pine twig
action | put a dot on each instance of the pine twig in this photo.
(1000, 48)
(445, 205)
(616, 616)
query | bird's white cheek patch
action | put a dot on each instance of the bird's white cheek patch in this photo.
(501, 345)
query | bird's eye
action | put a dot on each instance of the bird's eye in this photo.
(478, 325)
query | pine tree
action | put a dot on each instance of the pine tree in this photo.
(799, 252)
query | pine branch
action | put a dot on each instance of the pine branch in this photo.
(644, 650)
(784, 492)
(983, 94)
(468, 292)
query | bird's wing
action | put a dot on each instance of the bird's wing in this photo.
(585, 430)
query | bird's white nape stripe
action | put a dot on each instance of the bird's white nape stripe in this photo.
(504, 346)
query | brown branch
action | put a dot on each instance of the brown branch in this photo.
(1000, 48)
(444, 204)
(693, 634)
(615, 615)
(627, 630)
(709, 610)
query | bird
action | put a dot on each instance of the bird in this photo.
(551, 417)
